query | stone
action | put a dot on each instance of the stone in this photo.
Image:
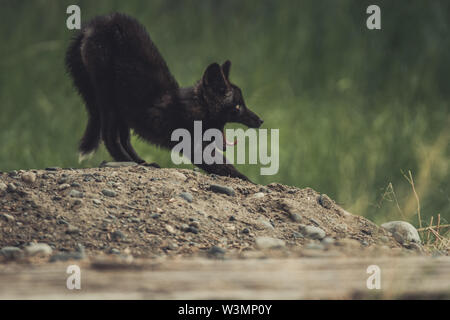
(76, 194)
(269, 243)
(64, 186)
(38, 249)
(3, 187)
(109, 193)
(258, 195)
(113, 164)
(7, 217)
(187, 196)
(216, 251)
(118, 235)
(312, 232)
(222, 189)
(295, 217)
(11, 253)
(403, 231)
(325, 201)
(29, 177)
(265, 223)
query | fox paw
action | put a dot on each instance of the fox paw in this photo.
(153, 164)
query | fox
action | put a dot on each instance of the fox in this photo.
(126, 86)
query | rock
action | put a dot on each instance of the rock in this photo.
(96, 201)
(3, 187)
(13, 173)
(38, 249)
(186, 196)
(258, 195)
(216, 251)
(11, 188)
(65, 256)
(109, 193)
(64, 186)
(11, 253)
(170, 229)
(7, 217)
(232, 218)
(155, 215)
(266, 223)
(269, 243)
(295, 217)
(76, 194)
(117, 164)
(114, 251)
(325, 201)
(72, 229)
(179, 176)
(246, 231)
(118, 235)
(327, 241)
(312, 232)
(402, 231)
(297, 235)
(222, 189)
(191, 229)
(414, 246)
(29, 177)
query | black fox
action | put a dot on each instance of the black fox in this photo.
(126, 84)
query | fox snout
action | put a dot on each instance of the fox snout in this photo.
(251, 119)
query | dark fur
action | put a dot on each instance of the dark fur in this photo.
(126, 84)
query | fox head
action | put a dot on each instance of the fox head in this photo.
(224, 100)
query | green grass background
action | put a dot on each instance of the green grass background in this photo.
(354, 107)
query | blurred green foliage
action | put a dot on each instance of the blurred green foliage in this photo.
(354, 107)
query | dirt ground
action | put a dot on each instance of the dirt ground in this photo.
(175, 229)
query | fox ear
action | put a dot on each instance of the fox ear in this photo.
(226, 68)
(214, 78)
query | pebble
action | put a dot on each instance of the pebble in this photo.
(117, 164)
(76, 194)
(312, 232)
(216, 251)
(325, 201)
(170, 229)
(96, 201)
(7, 217)
(114, 251)
(327, 241)
(11, 188)
(11, 253)
(155, 215)
(297, 235)
(232, 218)
(186, 196)
(258, 195)
(266, 223)
(109, 193)
(222, 189)
(3, 187)
(295, 217)
(29, 177)
(41, 249)
(64, 186)
(269, 243)
(72, 229)
(179, 176)
(118, 235)
(246, 231)
(192, 229)
(13, 173)
(403, 231)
